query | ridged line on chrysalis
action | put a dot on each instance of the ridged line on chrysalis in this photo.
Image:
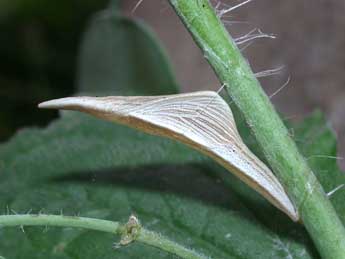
(202, 120)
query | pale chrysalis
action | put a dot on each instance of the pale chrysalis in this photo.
(202, 120)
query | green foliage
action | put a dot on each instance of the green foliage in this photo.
(38, 56)
(119, 55)
(80, 165)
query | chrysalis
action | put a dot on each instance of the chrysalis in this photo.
(202, 120)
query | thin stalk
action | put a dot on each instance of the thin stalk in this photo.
(143, 235)
(317, 213)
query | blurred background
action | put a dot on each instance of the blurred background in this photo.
(39, 43)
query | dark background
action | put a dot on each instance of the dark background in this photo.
(39, 47)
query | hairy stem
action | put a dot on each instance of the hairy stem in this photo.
(143, 235)
(317, 213)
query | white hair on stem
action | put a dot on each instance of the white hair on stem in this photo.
(269, 72)
(218, 4)
(329, 194)
(325, 156)
(252, 35)
(137, 5)
(222, 12)
(229, 22)
(280, 88)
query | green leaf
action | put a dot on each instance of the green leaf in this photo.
(317, 142)
(119, 55)
(80, 165)
(38, 55)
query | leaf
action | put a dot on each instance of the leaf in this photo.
(38, 54)
(68, 167)
(313, 137)
(119, 55)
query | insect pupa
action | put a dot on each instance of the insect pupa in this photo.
(201, 120)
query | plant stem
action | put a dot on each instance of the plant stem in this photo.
(156, 240)
(60, 221)
(143, 236)
(317, 213)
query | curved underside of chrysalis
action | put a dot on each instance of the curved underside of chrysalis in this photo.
(202, 120)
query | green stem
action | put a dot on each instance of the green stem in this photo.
(317, 213)
(143, 235)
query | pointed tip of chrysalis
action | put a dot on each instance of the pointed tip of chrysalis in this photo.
(54, 104)
(64, 103)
